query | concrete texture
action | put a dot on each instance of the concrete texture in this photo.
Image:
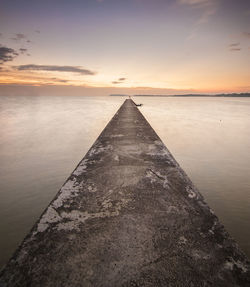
(128, 216)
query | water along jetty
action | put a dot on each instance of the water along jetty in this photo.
(128, 215)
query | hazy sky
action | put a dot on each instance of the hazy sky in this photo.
(156, 45)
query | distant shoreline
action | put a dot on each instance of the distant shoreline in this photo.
(234, 95)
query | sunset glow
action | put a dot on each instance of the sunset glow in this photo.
(160, 46)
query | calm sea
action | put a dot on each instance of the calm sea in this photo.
(44, 137)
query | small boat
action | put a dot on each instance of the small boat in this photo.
(138, 105)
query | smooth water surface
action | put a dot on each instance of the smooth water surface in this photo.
(44, 137)
(210, 138)
(42, 140)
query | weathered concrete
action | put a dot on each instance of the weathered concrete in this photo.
(128, 216)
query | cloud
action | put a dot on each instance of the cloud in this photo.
(54, 68)
(19, 37)
(194, 2)
(235, 49)
(7, 54)
(119, 81)
(59, 80)
(23, 50)
(234, 45)
(207, 7)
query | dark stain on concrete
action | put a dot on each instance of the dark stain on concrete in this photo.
(128, 216)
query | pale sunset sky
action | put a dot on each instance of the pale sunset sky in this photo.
(127, 46)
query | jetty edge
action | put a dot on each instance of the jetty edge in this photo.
(128, 215)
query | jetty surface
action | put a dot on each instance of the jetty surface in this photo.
(128, 215)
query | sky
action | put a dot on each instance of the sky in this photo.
(127, 46)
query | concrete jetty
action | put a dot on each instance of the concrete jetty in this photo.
(128, 215)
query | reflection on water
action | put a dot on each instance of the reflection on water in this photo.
(210, 138)
(43, 138)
